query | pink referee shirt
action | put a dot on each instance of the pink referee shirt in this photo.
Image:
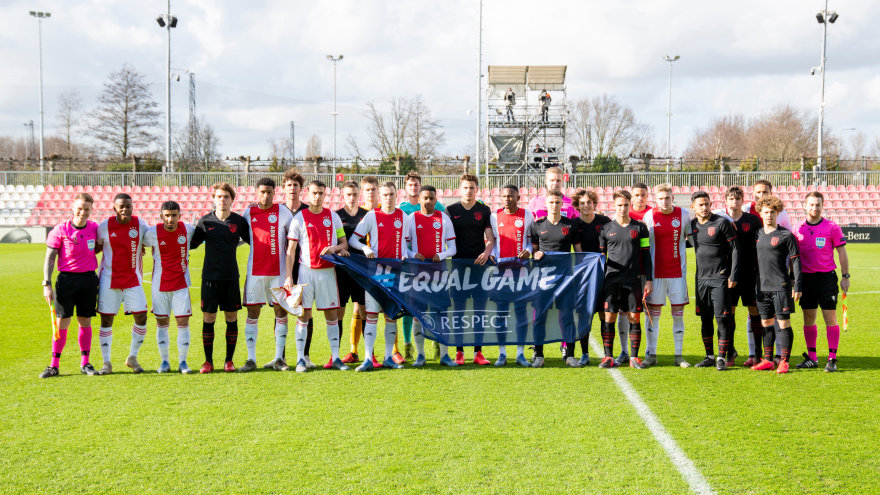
(539, 209)
(76, 247)
(817, 243)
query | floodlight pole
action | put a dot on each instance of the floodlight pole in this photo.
(671, 60)
(335, 60)
(479, 91)
(167, 21)
(40, 16)
(823, 18)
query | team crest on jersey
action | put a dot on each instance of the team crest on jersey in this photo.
(676, 223)
(518, 223)
(133, 233)
(820, 242)
(564, 230)
(746, 227)
(327, 222)
(272, 218)
(478, 216)
(711, 231)
(398, 224)
(436, 224)
(233, 227)
(774, 241)
(633, 233)
(181, 239)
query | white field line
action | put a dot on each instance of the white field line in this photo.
(680, 460)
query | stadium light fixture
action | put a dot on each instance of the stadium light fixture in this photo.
(822, 16)
(40, 16)
(167, 21)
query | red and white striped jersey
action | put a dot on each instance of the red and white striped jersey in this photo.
(314, 232)
(268, 254)
(387, 232)
(668, 234)
(170, 255)
(121, 261)
(511, 232)
(431, 234)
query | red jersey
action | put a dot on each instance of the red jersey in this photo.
(669, 241)
(121, 261)
(268, 239)
(431, 234)
(315, 232)
(170, 256)
(386, 233)
(511, 232)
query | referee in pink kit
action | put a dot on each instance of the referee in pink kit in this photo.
(74, 244)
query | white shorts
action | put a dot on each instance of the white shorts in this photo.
(178, 301)
(133, 300)
(676, 289)
(321, 291)
(258, 289)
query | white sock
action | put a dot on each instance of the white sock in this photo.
(751, 337)
(182, 343)
(162, 341)
(333, 337)
(678, 330)
(520, 350)
(251, 328)
(280, 337)
(653, 331)
(444, 351)
(370, 329)
(302, 331)
(623, 330)
(105, 340)
(390, 337)
(418, 337)
(137, 339)
(502, 349)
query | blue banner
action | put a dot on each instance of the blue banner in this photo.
(513, 301)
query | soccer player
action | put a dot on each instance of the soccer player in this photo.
(170, 282)
(471, 220)
(627, 247)
(430, 232)
(320, 232)
(553, 177)
(716, 250)
(221, 230)
(639, 207)
(747, 225)
(763, 188)
(554, 233)
(777, 248)
(588, 227)
(121, 279)
(74, 244)
(818, 238)
(351, 215)
(669, 227)
(267, 260)
(385, 232)
(412, 183)
(510, 227)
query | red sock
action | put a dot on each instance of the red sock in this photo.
(810, 335)
(58, 346)
(833, 339)
(85, 344)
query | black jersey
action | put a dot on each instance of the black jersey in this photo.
(349, 222)
(775, 250)
(746, 234)
(588, 233)
(470, 228)
(221, 238)
(556, 238)
(627, 250)
(716, 249)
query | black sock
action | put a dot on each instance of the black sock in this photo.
(608, 338)
(723, 336)
(707, 329)
(769, 339)
(569, 350)
(231, 338)
(784, 341)
(309, 337)
(539, 350)
(459, 349)
(757, 330)
(208, 341)
(585, 344)
(635, 338)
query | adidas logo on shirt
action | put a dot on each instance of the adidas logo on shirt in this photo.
(162, 243)
(419, 227)
(113, 234)
(380, 225)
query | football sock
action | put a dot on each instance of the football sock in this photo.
(750, 334)
(407, 328)
(311, 330)
(585, 343)
(418, 337)
(444, 350)
(784, 340)
(623, 328)
(57, 347)
(357, 329)
(678, 330)
(756, 335)
(138, 334)
(370, 335)
(390, 338)
(769, 337)
(302, 333)
(569, 350)
(653, 331)
(182, 343)
(208, 340)
(520, 350)
(162, 341)
(231, 338)
(833, 334)
(250, 336)
(394, 348)
(280, 337)
(85, 344)
(608, 338)
(707, 329)
(333, 336)
(635, 338)
(539, 350)
(811, 333)
(105, 340)
(502, 350)
(725, 336)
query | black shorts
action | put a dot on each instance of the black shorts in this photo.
(76, 291)
(348, 288)
(778, 304)
(713, 297)
(820, 290)
(222, 294)
(620, 297)
(744, 291)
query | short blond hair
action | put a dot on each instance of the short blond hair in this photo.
(85, 197)
(554, 171)
(665, 187)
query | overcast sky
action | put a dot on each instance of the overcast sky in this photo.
(261, 64)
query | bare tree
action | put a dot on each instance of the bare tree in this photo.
(388, 135)
(313, 151)
(425, 136)
(196, 145)
(210, 143)
(126, 117)
(69, 105)
(784, 134)
(602, 126)
(723, 137)
(857, 145)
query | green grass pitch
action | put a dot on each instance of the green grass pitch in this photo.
(485, 430)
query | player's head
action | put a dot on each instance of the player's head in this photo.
(553, 201)
(469, 185)
(622, 201)
(223, 195)
(701, 204)
(170, 213)
(427, 199)
(292, 183)
(553, 178)
(316, 193)
(768, 208)
(510, 197)
(265, 192)
(82, 208)
(412, 184)
(761, 188)
(663, 197)
(640, 194)
(388, 195)
(733, 198)
(585, 202)
(351, 194)
(123, 207)
(814, 203)
(370, 191)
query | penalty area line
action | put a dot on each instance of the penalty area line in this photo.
(680, 460)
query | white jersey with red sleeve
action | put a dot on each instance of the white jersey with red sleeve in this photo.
(314, 232)
(170, 256)
(387, 233)
(511, 232)
(668, 236)
(121, 261)
(269, 227)
(431, 235)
